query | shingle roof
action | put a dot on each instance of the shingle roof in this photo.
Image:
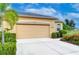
(21, 14)
(34, 15)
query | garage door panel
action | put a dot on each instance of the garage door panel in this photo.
(32, 31)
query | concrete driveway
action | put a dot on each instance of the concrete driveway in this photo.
(45, 46)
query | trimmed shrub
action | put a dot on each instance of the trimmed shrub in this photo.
(9, 37)
(62, 32)
(9, 45)
(9, 48)
(55, 35)
(58, 34)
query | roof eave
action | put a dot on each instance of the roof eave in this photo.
(51, 18)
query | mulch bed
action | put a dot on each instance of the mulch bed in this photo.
(70, 42)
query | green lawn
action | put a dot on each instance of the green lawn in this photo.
(72, 32)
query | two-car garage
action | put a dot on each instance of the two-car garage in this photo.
(24, 31)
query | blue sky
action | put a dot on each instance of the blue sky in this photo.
(61, 11)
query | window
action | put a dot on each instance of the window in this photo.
(58, 27)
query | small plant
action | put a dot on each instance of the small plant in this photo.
(58, 34)
(62, 32)
(55, 35)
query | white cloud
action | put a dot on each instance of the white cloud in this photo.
(46, 11)
(43, 11)
(73, 15)
(76, 6)
(60, 16)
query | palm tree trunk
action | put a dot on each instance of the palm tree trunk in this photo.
(2, 30)
(2, 35)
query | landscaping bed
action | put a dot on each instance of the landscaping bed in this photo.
(9, 45)
(58, 34)
(71, 37)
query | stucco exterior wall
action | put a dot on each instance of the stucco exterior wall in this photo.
(33, 20)
(51, 22)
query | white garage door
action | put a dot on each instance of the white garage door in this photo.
(32, 31)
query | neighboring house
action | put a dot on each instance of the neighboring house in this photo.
(30, 26)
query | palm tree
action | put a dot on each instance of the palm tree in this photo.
(70, 23)
(8, 15)
(67, 21)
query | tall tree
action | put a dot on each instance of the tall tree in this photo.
(11, 17)
(69, 24)
(8, 15)
(72, 24)
(67, 21)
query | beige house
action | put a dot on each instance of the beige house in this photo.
(35, 27)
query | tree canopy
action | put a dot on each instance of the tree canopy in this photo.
(10, 15)
(69, 24)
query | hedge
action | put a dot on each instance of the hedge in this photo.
(55, 35)
(58, 34)
(9, 48)
(9, 44)
(62, 32)
(9, 37)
